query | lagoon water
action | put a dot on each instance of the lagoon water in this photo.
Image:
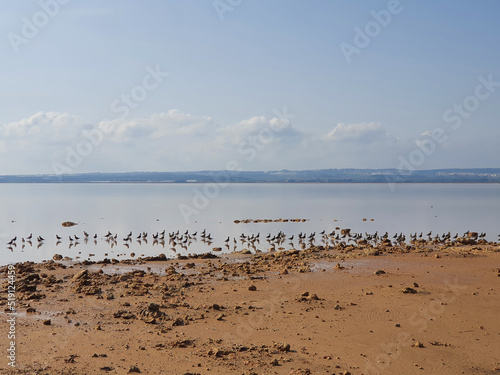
(120, 208)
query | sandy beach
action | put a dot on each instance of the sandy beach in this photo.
(421, 309)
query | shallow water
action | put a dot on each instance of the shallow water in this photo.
(120, 208)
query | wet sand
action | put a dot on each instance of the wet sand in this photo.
(425, 310)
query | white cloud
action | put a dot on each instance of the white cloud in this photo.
(46, 126)
(364, 132)
(166, 124)
(175, 140)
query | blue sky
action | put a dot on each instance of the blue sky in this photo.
(189, 85)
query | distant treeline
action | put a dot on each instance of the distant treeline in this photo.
(475, 175)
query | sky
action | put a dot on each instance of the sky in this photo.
(122, 85)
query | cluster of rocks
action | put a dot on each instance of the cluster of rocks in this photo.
(247, 221)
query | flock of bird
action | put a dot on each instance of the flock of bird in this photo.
(184, 240)
(159, 238)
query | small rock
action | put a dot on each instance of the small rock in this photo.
(134, 369)
(281, 346)
(220, 317)
(418, 344)
(47, 322)
(57, 257)
(179, 322)
(380, 272)
(81, 274)
(314, 297)
(252, 288)
(408, 290)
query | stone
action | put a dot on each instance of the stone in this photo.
(134, 369)
(281, 346)
(80, 275)
(408, 290)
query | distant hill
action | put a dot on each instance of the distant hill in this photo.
(474, 175)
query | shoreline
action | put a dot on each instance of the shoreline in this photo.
(314, 311)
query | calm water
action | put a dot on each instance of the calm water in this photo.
(120, 208)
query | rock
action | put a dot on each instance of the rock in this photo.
(57, 257)
(88, 290)
(182, 344)
(314, 297)
(170, 270)
(415, 285)
(252, 288)
(418, 344)
(275, 362)
(47, 322)
(281, 346)
(134, 369)
(34, 296)
(68, 224)
(220, 317)
(408, 290)
(380, 272)
(219, 352)
(123, 314)
(179, 322)
(301, 371)
(339, 267)
(217, 249)
(98, 327)
(80, 275)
